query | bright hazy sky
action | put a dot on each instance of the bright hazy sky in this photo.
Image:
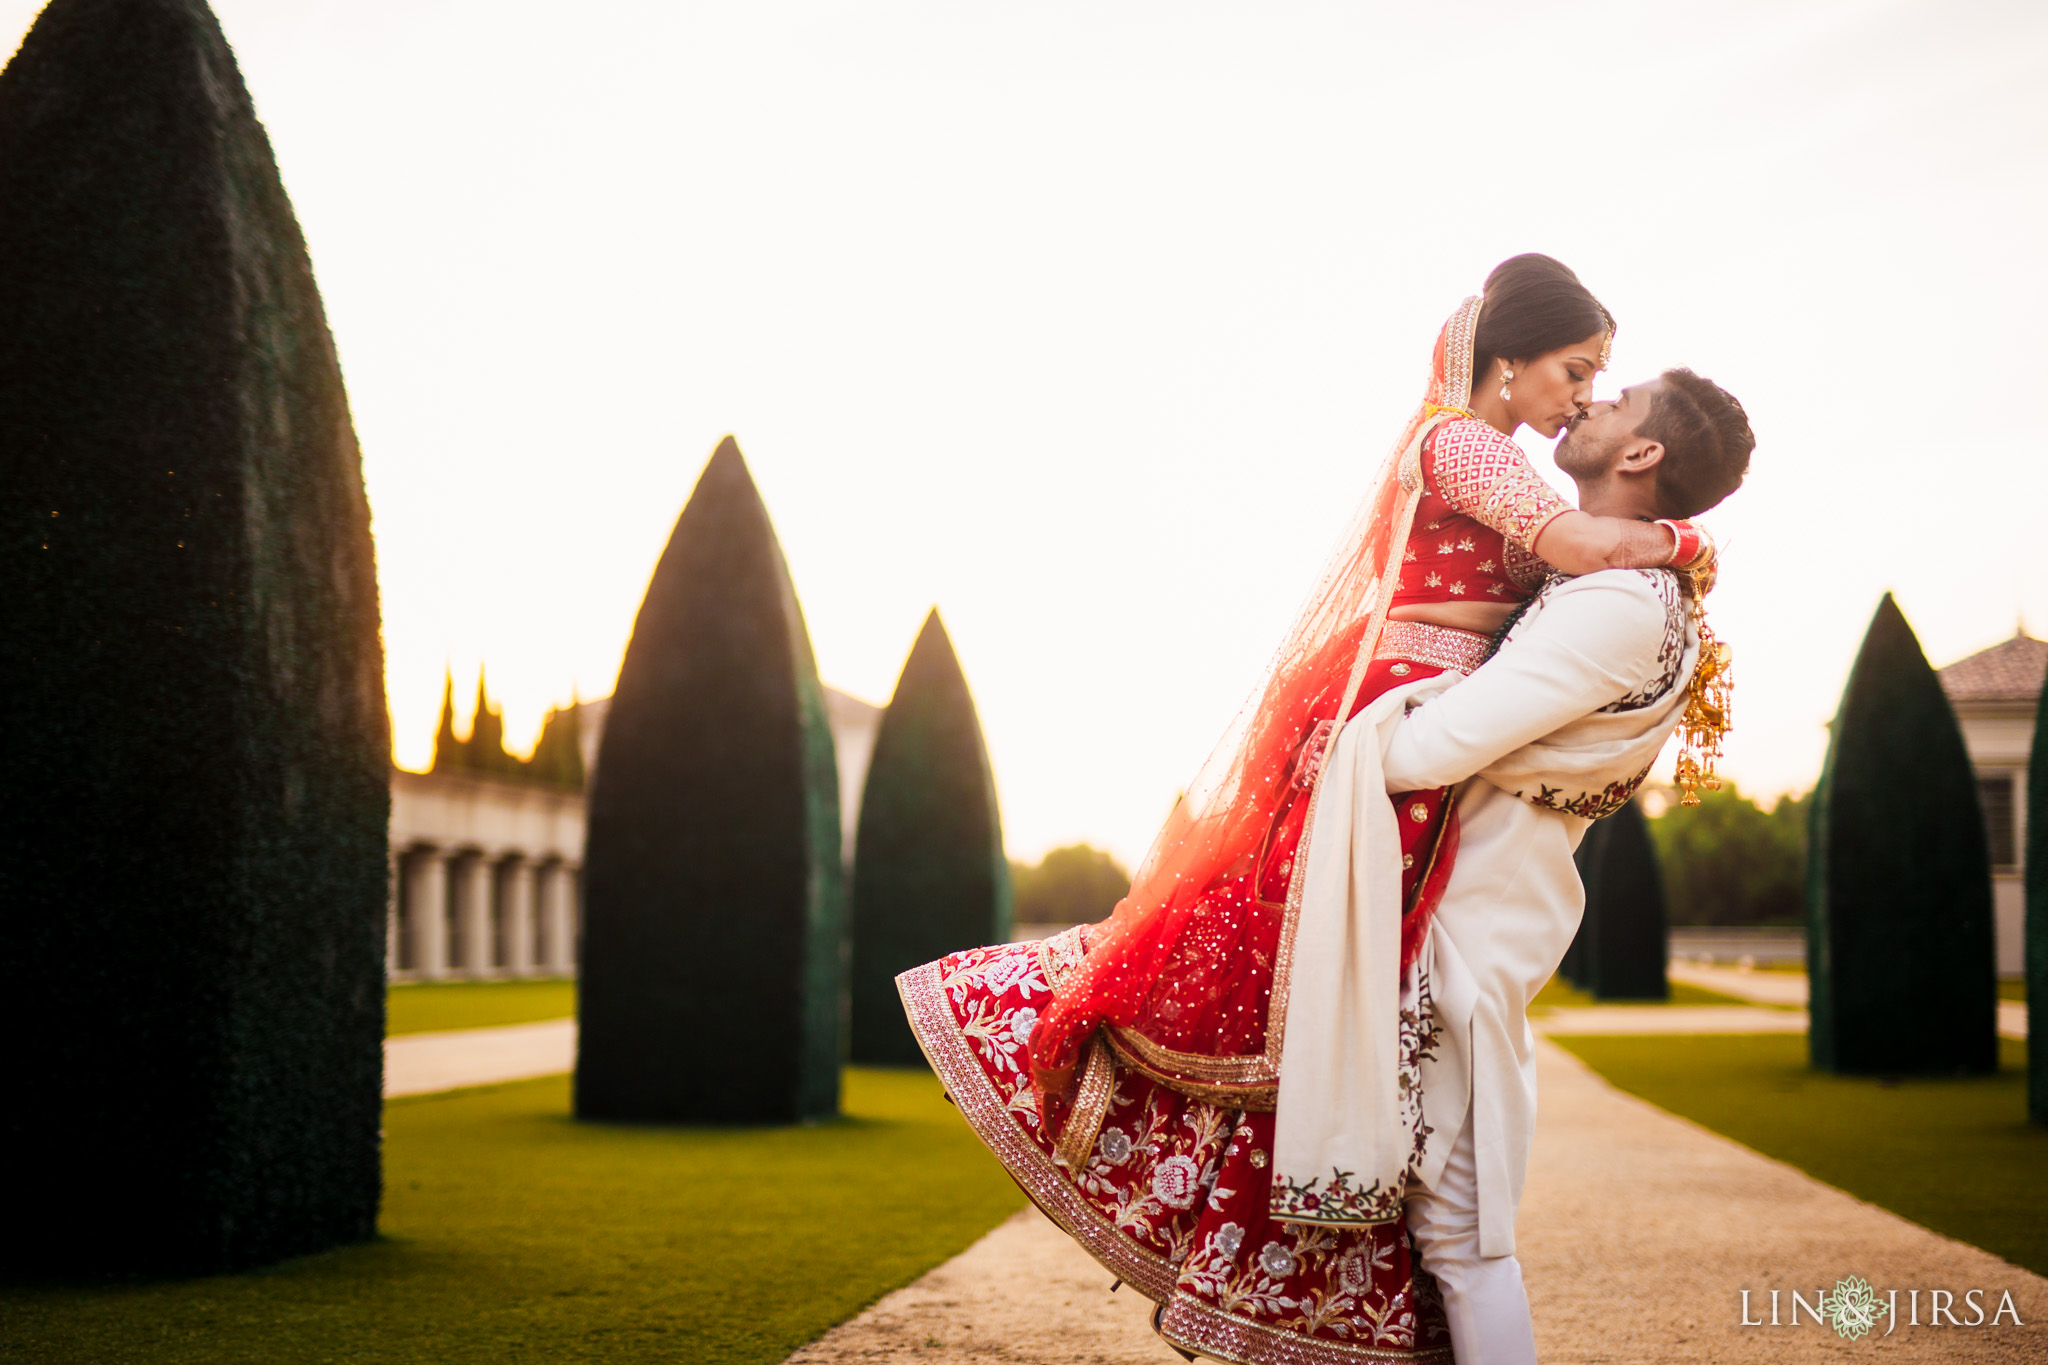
(1089, 323)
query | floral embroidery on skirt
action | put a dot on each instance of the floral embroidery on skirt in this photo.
(1173, 1197)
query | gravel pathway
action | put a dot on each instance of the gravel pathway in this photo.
(1766, 988)
(1026, 1293)
(1638, 1232)
(421, 1063)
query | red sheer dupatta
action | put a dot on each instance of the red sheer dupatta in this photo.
(1187, 980)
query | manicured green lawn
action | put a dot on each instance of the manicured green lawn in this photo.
(1956, 1155)
(513, 1233)
(420, 1007)
(1558, 991)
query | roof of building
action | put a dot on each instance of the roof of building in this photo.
(846, 709)
(2013, 671)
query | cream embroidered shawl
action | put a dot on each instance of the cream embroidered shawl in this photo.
(1346, 1126)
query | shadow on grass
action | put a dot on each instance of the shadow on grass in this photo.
(513, 1232)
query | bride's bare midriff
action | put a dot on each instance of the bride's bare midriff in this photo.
(1484, 617)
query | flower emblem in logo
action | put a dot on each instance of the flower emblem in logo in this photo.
(1229, 1238)
(1276, 1260)
(1115, 1146)
(1174, 1182)
(1853, 1309)
(1022, 1022)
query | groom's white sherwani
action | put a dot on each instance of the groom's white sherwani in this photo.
(1556, 729)
(1559, 726)
(1381, 1068)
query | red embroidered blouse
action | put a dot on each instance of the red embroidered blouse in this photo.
(1482, 507)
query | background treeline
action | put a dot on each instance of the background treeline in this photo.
(1730, 861)
(1077, 884)
(1727, 860)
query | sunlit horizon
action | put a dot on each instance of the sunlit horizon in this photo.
(1089, 324)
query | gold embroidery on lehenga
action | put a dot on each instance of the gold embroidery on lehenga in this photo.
(1524, 567)
(1091, 1103)
(1486, 476)
(1253, 1090)
(1061, 954)
(1133, 1203)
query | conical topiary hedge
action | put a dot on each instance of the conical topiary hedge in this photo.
(1898, 900)
(713, 973)
(2037, 907)
(193, 843)
(1621, 947)
(929, 875)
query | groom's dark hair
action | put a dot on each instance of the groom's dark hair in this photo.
(1706, 439)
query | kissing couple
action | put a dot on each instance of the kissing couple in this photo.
(1287, 1089)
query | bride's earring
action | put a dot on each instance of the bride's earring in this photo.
(1505, 376)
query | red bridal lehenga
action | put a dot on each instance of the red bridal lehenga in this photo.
(1160, 1028)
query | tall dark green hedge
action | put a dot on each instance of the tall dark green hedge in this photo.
(2037, 910)
(192, 833)
(1621, 949)
(929, 875)
(713, 976)
(1898, 898)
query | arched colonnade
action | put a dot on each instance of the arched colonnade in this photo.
(485, 878)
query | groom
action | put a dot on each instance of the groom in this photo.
(1558, 728)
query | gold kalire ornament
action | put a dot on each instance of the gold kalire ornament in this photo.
(1709, 705)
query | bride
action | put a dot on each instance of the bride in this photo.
(1126, 1072)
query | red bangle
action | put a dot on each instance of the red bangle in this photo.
(1685, 543)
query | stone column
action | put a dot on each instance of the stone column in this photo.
(391, 957)
(515, 901)
(575, 878)
(426, 911)
(472, 904)
(557, 919)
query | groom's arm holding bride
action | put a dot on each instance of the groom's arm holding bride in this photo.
(1613, 640)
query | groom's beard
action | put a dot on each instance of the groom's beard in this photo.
(1582, 457)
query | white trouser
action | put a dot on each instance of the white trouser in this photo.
(1483, 1295)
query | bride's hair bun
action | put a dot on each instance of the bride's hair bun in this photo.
(1534, 305)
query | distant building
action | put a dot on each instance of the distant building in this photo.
(487, 851)
(1995, 693)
